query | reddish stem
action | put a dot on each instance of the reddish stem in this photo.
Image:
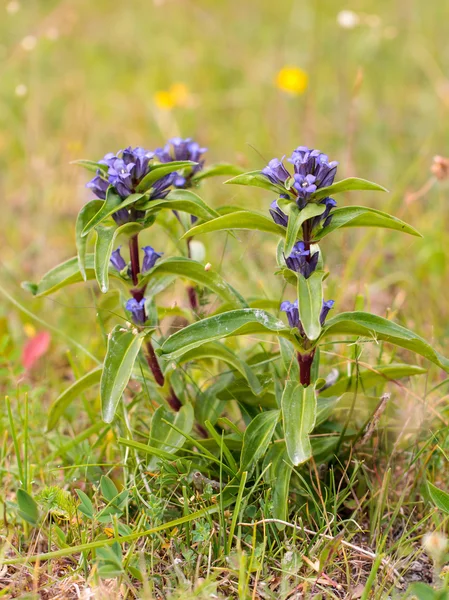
(154, 364)
(305, 367)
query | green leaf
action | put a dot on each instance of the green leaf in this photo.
(123, 347)
(184, 201)
(194, 271)
(86, 506)
(104, 246)
(439, 497)
(164, 436)
(257, 438)
(242, 219)
(60, 405)
(362, 216)
(378, 328)
(347, 185)
(278, 476)
(85, 215)
(257, 179)
(296, 218)
(298, 415)
(378, 375)
(235, 322)
(28, 509)
(289, 359)
(108, 488)
(90, 165)
(160, 170)
(112, 204)
(215, 170)
(310, 302)
(221, 352)
(65, 274)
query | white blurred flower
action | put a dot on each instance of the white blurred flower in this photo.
(52, 34)
(348, 19)
(435, 545)
(29, 42)
(12, 7)
(21, 90)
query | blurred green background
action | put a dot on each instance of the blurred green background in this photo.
(82, 78)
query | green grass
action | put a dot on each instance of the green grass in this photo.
(377, 101)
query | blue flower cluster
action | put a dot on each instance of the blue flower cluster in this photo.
(312, 171)
(292, 312)
(182, 149)
(126, 169)
(136, 307)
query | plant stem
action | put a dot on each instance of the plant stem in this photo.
(191, 291)
(154, 364)
(305, 366)
(138, 294)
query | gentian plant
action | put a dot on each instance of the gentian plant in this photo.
(278, 396)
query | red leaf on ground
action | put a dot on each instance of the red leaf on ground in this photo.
(36, 347)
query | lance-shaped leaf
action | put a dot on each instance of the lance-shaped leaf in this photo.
(61, 404)
(310, 302)
(347, 185)
(104, 246)
(439, 497)
(368, 378)
(28, 508)
(181, 200)
(163, 436)
(90, 165)
(257, 179)
(194, 271)
(160, 170)
(257, 438)
(215, 170)
(289, 358)
(362, 216)
(64, 274)
(123, 348)
(298, 416)
(111, 205)
(296, 218)
(236, 322)
(378, 328)
(221, 352)
(85, 215)
(278, 475)
(242, 219)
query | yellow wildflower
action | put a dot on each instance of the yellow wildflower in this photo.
(164, 100)
(177, 95)
(292, 80)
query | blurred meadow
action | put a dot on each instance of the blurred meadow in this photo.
(366, 82)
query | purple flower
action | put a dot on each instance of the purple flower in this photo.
(120, 176)
(140, 157)
(305, 186)
(117, 260)
(326, 217)
(108, 159)
(327, 305)
(150, 258)
(313, 162)
(278, 216)
(300, 262)
(160, 188)
(98, 185)
(182, 149)
(137, 309)
(292, 312)
(276, 172)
